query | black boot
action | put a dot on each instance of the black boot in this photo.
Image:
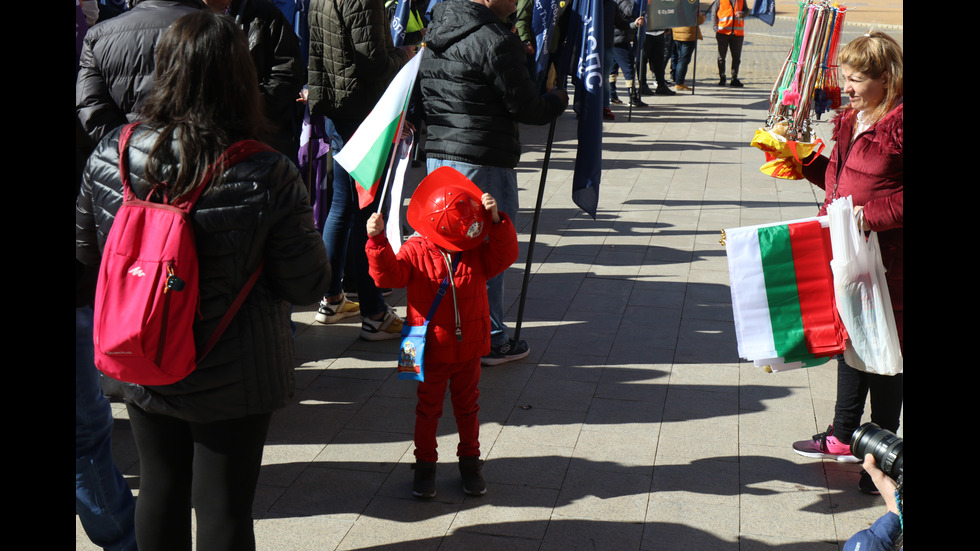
(635, 100)
(721, 71)
(736, 83)
(424, 484)
(471, 471)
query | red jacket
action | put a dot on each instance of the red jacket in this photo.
(421, 266)
(870, 169)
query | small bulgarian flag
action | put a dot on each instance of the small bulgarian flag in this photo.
(365, 154)
(783, 293)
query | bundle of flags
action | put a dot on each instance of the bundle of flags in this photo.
(783, 294)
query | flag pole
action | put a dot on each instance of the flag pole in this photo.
(534, 229)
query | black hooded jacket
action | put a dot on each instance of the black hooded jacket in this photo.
(476, 88)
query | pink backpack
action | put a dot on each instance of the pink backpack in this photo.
(147, 296)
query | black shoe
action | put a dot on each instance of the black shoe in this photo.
(646, 91)
(637, 102)
(722, 81)
(507, 352)
(664, 91)
(615, 99)
(424, 484)
(866, 485)
(736, 83)
(471, 471)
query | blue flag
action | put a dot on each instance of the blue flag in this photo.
(400, 21)
(543, 17)
(585, 34)
(765, 10)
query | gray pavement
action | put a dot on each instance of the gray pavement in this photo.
(633, 425)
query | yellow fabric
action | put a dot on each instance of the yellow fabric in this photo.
(784, 168)
(780, 159)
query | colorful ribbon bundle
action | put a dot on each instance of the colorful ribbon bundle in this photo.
(807, 82)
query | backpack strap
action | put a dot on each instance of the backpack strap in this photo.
(232, 310)
(236, 152)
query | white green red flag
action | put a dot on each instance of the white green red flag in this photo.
(783, 293)
(364, 155)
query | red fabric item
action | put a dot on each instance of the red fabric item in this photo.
(420, 266)
(870, 168)
(823, 331)
(463, 380)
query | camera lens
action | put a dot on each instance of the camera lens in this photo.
(883, 445)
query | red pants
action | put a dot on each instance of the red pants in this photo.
(463, 380)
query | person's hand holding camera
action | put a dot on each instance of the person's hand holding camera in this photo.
(886, 486)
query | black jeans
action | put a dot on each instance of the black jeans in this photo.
(213, 467)
(728, 42)
(853, 387)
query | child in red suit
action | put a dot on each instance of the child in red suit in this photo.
(456, 223)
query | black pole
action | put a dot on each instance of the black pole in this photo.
(634, 92)
(534, 230)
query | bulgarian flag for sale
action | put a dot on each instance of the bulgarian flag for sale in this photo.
(365, 154)
(783, 293)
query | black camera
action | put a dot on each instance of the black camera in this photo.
(883, 445)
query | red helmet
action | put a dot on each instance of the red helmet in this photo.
(447, 210)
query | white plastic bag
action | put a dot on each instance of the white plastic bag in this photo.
(862, 294)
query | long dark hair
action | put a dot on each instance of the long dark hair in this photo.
(205, 97)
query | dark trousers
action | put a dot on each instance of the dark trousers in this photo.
(213, 467)
(654, 56)
(728, 42)
(853, 387)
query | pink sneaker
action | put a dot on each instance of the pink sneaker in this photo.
(825, 446)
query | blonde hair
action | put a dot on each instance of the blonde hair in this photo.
(877, 55)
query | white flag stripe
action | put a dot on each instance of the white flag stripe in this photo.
(388, 109)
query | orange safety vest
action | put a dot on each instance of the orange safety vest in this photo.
(727, 22)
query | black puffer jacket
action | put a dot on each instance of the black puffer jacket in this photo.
(259, 209)
(116, 67)
(476, 88)
(352, 59)
(626, 15)
(275, 51)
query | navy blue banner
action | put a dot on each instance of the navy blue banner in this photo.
(586, 29)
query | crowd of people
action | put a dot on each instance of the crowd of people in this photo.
(165, 87)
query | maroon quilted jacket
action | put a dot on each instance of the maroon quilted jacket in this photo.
(420, 266)
(870, 168)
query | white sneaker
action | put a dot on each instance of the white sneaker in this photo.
(388, 327)
(332, 313)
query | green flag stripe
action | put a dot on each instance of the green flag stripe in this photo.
(779, 273)
(371, 167)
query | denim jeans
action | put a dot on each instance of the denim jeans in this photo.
(103, 501)
(624, 59)
(684, 51)
(343, 228)
(501, 183)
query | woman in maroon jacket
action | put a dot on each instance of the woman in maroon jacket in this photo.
(867, 164)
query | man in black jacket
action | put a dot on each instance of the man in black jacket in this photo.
(116, 65)
(475, 90)
(274, 48)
